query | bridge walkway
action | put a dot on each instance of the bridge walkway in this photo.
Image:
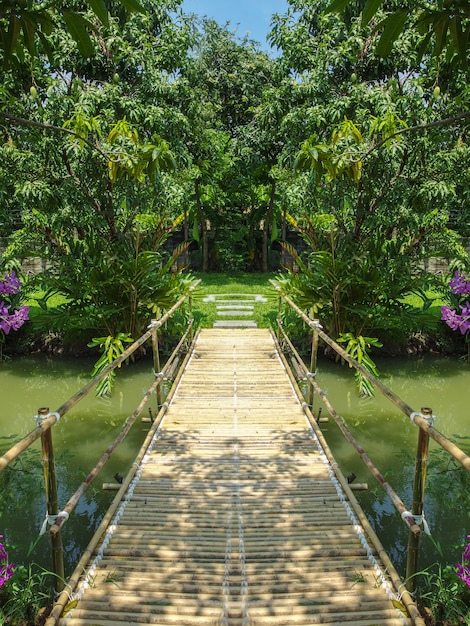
(235, 516)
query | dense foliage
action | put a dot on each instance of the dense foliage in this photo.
(137, 142)
(130, 128)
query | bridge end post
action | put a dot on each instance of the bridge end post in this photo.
(156, 361)
(52, 501)
(419, 485)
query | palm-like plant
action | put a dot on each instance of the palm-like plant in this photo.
(357, 291)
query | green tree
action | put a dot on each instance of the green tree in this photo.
(444, 25)
(93, 173)
(222, 87)
(26, 26)
(374, 143)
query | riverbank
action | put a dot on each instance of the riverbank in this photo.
(42, 334)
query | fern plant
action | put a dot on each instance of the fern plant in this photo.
(358, 348)
(111, 348)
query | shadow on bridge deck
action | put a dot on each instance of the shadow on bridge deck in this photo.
(235, 516)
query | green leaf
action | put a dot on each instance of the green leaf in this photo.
(440, 28)
(29, 32)
(12, 35)
(336, 6)
(392, 28)
(78, 28)
(423, 45)
(370, 10)
(99, 9)
(458, 36)
(133, 6)
(46, 45)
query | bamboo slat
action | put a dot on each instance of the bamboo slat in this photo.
(236, 518)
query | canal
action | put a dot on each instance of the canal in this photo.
(82, 435)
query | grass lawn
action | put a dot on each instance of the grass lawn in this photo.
(265, 313)
(52, 302)
(434, 310)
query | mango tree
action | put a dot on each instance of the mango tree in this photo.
(376, 168)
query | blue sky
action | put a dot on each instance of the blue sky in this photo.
(252, 16)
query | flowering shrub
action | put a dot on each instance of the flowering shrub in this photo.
(460, 286)
(11, 319)
(463, 569)
(6, 569)
(445, 592)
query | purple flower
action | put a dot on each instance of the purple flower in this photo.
(449, 316)
(463, 572)
(6, 569)
(463, 569)
(459, 284)
(466, 552)
(6, 572)
(10, 284)
(12, 321)
(3, 552)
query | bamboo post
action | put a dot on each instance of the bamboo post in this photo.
(156, 360)
(419, 484)
(313, 363)
(279, 311)
(52, 500)
(190, 310)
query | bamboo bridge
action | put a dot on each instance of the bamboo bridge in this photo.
(236, 513)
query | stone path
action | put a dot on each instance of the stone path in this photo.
(235, 310)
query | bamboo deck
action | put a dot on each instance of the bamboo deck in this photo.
(236, 518)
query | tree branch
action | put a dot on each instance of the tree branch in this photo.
(379, 196)
(57, 129)
(445, 122)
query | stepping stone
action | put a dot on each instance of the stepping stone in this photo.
(248, 297)
(236, 306)
(234, 324)
(234, 313)
(233, 305)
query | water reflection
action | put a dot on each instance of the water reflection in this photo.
(388, 437)
(80, 438)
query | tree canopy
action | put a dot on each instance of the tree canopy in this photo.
(126, 122)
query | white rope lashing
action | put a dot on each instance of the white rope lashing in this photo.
(51, 520)
(420, 520)
(40, 418)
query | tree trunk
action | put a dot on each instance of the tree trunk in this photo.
(202, 222)
(267, 224)
(284, 236)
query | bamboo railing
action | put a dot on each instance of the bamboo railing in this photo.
(46, 420)
(423, 419)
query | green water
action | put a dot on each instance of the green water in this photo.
(390, 439)
(80, 438)
(82, 435)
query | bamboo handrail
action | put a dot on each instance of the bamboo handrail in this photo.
(19, 447)
(395, 498)
(457, 453)
(75, 498)
(406, 597)
(45, 421)
(14, 452)
(64, 597)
